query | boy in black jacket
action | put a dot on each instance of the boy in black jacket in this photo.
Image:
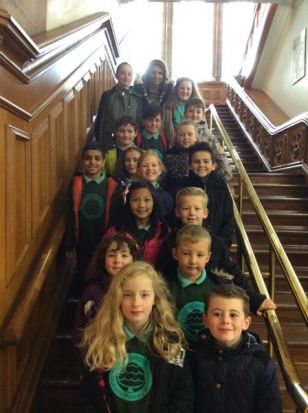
(203, 174)
(231, 369)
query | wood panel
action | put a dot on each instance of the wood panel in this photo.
(45, 110)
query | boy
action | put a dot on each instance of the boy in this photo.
(125, 133)
(89, 208)
(176, 158)
(150, 138)
(191, 208)
(195, 111)
(231, 369)
(203, 174)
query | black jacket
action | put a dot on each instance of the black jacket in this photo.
(241, 380)
(172, 389)
(220, 206)
(220, 260)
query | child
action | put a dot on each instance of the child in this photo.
(119, 101)
(195, 111)
(134, 349)
(231, 369)
(125, 175)
(113, 254)
(192, 281)
(150, 137)
(191, 208)
(152, 169)
(155, 87)
(125, 133)
(176, 159)
(89, 209)
(203, 174)
(183, 90)
(140, 217)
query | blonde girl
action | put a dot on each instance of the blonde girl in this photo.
(152, 169)
(134, 349)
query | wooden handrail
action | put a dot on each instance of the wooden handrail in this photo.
(280, 147)
(16, 327)
(265, 122)
(27, 58)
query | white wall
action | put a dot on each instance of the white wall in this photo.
(274, 74)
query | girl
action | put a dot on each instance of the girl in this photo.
(113, 254)
(116, 102)
(134, 349)
(155, 87)
(183, 90)
(126, 174)
(151, 169)
(140, 217)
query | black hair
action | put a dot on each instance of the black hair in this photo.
(93, 146)
(228, 291)
(151, 111)
(203, 147)
(125, 120)
(126, 221)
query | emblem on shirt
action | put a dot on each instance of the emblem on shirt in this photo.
(135, 381)
(92, 206)
(190, 318)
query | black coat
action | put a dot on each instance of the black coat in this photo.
(172, 389)
(220, 206)
(241, 380)
(220, 260)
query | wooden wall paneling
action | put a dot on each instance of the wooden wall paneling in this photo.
(69, 129)
(18, 198)
(41, 174)
(56, 126)
(79, 112)
(88, 90)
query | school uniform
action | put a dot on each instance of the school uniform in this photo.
(234, 380)
(148, 384)
(156, 142)
(220, 218)
(220, 261)
(88, 215)
(177, 165)
(189, 300)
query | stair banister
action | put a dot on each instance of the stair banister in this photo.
(280, 253)
(286, 363)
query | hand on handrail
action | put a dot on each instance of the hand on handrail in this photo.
(267, 304)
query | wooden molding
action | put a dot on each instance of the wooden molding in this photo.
(27, 59)
(282, 146)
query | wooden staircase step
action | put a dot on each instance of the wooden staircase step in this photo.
(294, 190)
(276, 177)
(277, 217)
(275, 202)
(287, 234)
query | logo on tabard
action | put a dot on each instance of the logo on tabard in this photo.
(135, 381)
(190, 318)
(92, 206)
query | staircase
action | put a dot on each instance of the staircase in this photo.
(284, 196)
(58, 389)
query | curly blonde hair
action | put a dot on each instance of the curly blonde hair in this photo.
(104, 338)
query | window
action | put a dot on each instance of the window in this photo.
(192, 40)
